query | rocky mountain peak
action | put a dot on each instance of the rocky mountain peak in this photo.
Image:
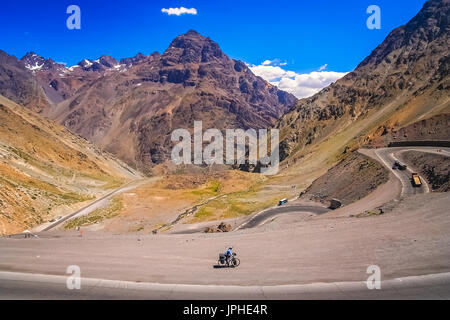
(30, 55)
(193, 33)
(108, 61)
(101, 64)
(32, 61)
(192, 47)
(85, 63)
(133, 60)
(35, 62)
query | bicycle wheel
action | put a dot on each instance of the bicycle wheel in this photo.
(235, 262)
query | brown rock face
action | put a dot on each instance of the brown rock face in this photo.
(18, 84)
(407, 76)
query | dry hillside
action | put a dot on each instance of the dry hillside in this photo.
(45, 169)
(351, 179)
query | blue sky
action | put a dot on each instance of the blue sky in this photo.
(304, 34)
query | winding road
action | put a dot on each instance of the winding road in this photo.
(265, 215)
(387, 157)
(99, 203)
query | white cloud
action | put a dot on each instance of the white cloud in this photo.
(302, 85)
(323, 67)
(268, 73)
(179, 11)
(274, 63)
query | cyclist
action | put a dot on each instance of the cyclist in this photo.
(229, 254)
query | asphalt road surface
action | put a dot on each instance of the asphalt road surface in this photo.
(387, 157)
(265, 215)
(91, 207)
(35, 286)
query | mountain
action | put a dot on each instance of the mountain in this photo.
(405, 79)
(46, 171)
(131, 107)
(18, 84)
(101, 65)
(134, 60)
(40, 83)
(60, 82)
(132, 113)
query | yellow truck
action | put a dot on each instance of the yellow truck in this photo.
(416, 180)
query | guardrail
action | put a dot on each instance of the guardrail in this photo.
(441, 143)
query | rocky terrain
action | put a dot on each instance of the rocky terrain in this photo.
(131, 107)
(435, 168)
(45, 170)
(404, 79)
(18, 84)
(222, 227)
(351, 179)
(435, 128)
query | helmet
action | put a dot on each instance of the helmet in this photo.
(230, 247)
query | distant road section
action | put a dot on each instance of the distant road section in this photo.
(91, 207)
(387, 157)
(263, 216)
